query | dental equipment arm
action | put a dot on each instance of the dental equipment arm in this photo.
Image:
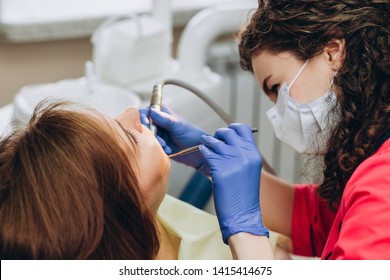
(172, 126)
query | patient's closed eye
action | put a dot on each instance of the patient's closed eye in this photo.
(132, 135)
(128, 132)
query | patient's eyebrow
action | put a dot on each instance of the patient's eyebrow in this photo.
(129, 136)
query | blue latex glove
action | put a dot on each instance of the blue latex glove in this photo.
(235, 166)
(175, 135)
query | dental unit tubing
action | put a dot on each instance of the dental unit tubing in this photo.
(205, 27)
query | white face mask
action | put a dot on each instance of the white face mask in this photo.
(302, 126)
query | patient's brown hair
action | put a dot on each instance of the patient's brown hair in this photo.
(68, 191)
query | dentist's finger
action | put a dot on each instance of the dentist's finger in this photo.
(243, 130)
(213, 143)
(207, 153)
(144, 116)
(162, 119)
(228, 135)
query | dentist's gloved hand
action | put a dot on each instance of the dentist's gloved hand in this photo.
(175, 135)
(235, 166)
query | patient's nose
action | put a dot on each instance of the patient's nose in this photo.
(130, 119)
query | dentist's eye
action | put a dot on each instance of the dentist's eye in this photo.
(275, 88)
(132, 135)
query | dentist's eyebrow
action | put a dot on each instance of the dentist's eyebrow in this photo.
(128, 135)
(265, 82)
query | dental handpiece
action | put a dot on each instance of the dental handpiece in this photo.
(155, 103)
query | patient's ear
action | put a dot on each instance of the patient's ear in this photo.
(334, 53)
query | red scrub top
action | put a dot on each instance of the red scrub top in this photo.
(360, 229)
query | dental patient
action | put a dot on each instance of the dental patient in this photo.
(75, 184)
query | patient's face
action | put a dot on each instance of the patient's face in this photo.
(152, 164)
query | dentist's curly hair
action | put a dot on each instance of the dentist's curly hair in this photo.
(304, 27)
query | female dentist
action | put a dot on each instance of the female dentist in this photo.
(326, 65)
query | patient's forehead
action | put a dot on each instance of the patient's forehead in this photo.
(107, 124)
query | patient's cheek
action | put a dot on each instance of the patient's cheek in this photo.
(154, 167)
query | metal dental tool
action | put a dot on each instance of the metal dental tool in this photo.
(156, 102)
(195, 148)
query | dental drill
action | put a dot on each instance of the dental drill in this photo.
(156, 103)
